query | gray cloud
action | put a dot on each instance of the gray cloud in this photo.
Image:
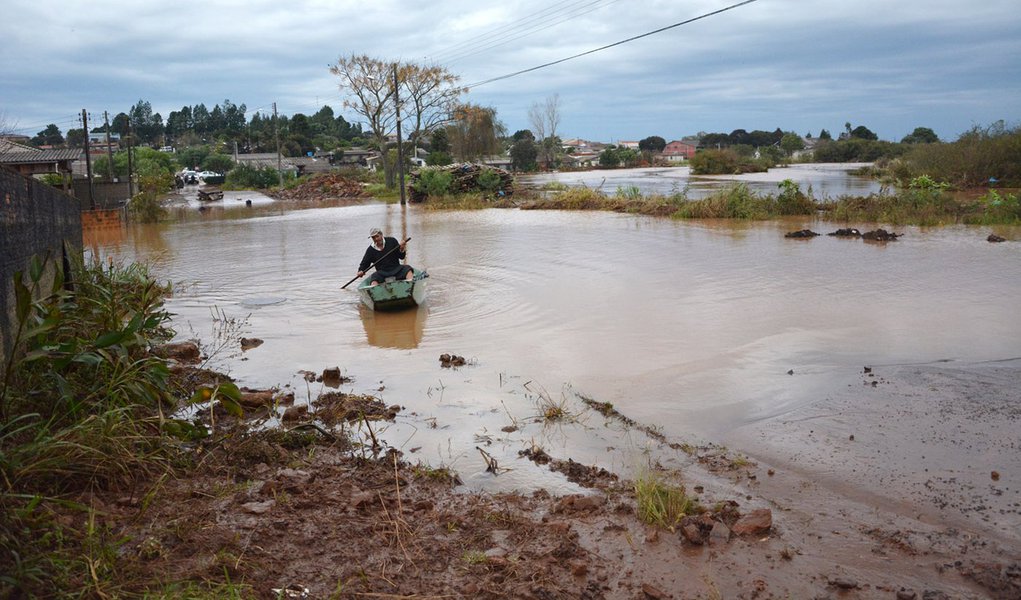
(796, 65)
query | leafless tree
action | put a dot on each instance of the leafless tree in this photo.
(427, 96)
(545, 118)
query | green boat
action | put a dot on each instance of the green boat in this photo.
(393, 294)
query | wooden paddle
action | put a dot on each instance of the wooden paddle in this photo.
(375, 263)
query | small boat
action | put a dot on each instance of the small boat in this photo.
(394, 294)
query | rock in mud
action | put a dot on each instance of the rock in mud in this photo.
(995, 238)
(451, 360)
(846, 232)
(249, 343)
(804, 233)
(183, 352)
(756, 522)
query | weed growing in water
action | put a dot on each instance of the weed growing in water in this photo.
(660, 503)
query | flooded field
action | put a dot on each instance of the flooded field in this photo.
(823, 180)
(699, 328)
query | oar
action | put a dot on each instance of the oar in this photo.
(375, 263)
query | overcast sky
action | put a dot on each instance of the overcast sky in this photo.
(799, 65)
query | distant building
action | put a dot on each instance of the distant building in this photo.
(678, 151)
(633, 145)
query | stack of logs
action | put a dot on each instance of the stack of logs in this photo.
(465, 180)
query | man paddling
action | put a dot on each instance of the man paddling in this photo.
(386, 253)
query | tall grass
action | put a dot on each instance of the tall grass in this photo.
(81, 404)
(738, 202)
(660, 503)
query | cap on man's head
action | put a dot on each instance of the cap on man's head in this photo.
(375, 231)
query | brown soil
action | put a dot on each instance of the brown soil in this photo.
(307, 512)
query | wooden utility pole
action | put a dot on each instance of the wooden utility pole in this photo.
(88, 160)
(276, 135)
(131, 178)
(109, 152)
(400, 144)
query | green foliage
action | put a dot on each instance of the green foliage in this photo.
(653, 143)
(489, 181)
(247, 177)
(662, 504)
(78, 411)
(219, 163)
(715, 162)
(977, 156)
(54, 179)
(792, 201)
(524, 153)
(146, 207)
(630, 192)
(438, 158)
(921, 135)
(856, 150)
(997, 209)
(433, 182)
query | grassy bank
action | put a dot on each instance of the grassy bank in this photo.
(81, 413)
(922, 202)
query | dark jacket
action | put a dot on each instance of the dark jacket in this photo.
(390, 264)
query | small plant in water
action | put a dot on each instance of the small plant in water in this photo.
(660, 503)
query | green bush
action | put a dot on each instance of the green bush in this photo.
(715, 162)
(245, 176)
(434, 182)
(489, 181)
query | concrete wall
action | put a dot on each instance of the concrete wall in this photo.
(108, 195)
(35, 219)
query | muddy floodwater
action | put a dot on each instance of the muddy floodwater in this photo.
(822, 180)
(703, 330)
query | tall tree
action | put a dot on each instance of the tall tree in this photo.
(372, 88)
(653, 143)
(474, 132)
(48, 137)
(148, 126)
(921, 135)
(545, 118)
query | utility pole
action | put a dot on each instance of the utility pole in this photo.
(400, 145)
(109, 152)
(88, 160)
(131, 179)
(276, 134)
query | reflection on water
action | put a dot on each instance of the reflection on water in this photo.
(691, 326)
(822, 180)
(394, 329)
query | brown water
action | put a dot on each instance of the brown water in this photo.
(688, 326)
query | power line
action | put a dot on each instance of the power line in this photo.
(502, 42)
(630, 39)
(510, 32)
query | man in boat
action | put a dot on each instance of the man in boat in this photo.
(386, 253)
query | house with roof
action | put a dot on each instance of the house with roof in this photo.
(679, 151)
(29, 161)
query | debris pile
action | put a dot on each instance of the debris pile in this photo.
(324, 187)
(465, 178)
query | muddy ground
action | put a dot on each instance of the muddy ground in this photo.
(846, 507)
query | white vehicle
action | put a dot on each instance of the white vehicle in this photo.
(204, 174)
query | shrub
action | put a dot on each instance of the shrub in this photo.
(245, 176)
(489, 181)
(433, 182)
(715, 162)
